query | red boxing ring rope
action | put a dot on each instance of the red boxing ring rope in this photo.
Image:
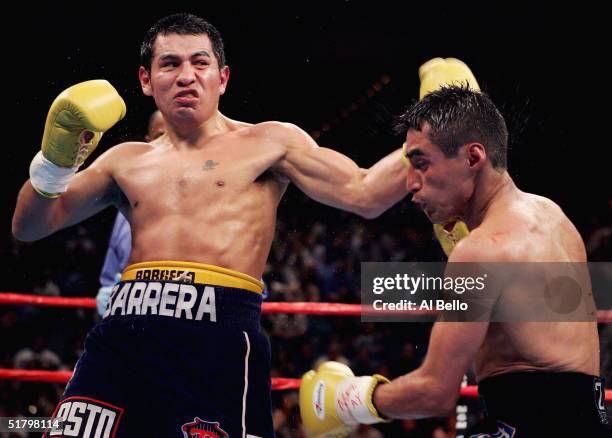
(278, 383)
(306, 308)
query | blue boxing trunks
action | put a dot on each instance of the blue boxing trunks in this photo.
(542, 405)
(179, 353)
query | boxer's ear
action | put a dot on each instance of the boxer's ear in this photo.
(476, 155)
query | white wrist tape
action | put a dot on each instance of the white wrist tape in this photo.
(50, 179)
(354, 400)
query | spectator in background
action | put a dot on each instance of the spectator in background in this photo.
(37, 357)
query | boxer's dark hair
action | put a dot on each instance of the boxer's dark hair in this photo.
(459, 115)
(182, 24)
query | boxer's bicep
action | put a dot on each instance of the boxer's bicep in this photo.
(323, 174)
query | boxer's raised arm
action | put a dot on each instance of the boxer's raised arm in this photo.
(75, 123)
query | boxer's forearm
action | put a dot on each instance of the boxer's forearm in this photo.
(384, 184)
(34, 214)
(433, 388)
(367, 192)
(414, 395)
(38, 216)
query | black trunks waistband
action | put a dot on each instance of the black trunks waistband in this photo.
(517, 395)
(189, 293)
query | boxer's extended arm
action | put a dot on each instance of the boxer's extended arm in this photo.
(334, 179)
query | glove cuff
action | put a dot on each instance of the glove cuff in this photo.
(354, 400)
(48, 179)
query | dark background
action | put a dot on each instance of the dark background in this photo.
(312, 65)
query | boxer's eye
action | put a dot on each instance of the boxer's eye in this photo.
(419, 164)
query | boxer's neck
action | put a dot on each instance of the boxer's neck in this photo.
(190, 137)
(491, 187)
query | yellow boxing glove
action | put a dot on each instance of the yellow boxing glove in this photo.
(449, 234)
(434, 74)
(444, 71)
(75, 123)
(333, 400)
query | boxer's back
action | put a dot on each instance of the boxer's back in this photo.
(536, 232)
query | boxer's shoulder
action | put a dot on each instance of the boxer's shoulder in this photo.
(127, 150)
(486, 244)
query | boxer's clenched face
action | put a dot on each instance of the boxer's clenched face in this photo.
(441, 186)
(185, 79)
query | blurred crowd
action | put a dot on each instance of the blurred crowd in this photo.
(312, 259)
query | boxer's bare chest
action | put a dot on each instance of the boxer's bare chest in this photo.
(169, 178)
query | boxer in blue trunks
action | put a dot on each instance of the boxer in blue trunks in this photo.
(206, 193)
(180, 350)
